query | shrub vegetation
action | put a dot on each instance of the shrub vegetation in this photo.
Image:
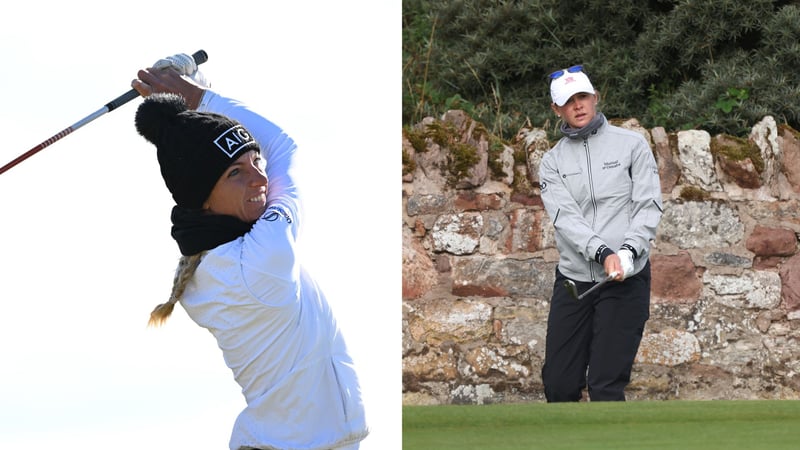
(717, 65)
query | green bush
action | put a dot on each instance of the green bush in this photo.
(720, 65)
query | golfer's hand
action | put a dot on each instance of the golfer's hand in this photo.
(612, 264)
(181, 62)
(151, 81)
(184, 65)
(626, 262)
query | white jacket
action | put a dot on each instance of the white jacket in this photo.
(272, 322)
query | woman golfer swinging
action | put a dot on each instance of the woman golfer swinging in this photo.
(236, 222)
(601, 189)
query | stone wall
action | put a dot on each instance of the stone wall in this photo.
(479, 259)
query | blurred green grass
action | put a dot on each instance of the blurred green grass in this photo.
(677, 424)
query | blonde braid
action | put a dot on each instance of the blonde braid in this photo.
(186, 268)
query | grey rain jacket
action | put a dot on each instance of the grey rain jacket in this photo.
(603, 189)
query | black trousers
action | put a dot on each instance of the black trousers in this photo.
(593, 341)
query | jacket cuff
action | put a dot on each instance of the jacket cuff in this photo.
(632, 250)
(602, 253)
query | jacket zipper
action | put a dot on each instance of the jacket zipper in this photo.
(591, 193)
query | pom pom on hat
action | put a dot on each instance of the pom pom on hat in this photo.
(193, 148)
(155, 115)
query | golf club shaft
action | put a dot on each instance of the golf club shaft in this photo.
(199, 56)
(597, 286)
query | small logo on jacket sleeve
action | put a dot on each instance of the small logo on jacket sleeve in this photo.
(275, 212)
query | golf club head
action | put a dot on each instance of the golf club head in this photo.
(569, 285)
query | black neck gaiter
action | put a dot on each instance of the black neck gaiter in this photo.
(195, 230)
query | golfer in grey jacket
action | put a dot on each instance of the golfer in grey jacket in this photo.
(601, 189)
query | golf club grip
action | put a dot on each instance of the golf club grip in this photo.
(199, 57)
(121, 100)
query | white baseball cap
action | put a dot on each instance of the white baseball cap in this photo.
(569, 83)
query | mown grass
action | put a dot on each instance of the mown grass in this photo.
(747, 424)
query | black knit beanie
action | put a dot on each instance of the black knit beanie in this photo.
(194, 148)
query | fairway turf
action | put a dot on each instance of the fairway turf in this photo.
(677, 424)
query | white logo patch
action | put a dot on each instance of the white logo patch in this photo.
(233, 139)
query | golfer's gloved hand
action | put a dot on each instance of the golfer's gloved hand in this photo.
(626, 261)
(183, 64)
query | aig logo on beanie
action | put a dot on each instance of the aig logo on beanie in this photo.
(232, 140)
(194, 148)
